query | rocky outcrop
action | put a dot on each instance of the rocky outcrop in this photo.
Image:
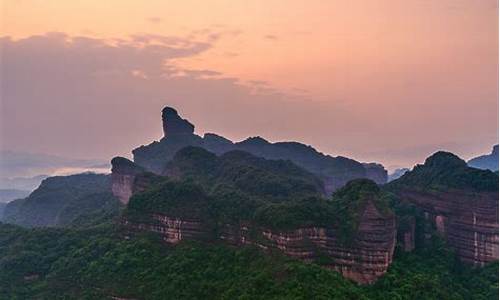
(458, 203)
(173, 229)
(174, 125)
(335, 172)
(128, 178)
(123, 174)
(363, 260)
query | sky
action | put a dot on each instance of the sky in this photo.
(376, 80)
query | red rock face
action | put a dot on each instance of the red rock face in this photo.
(173, 230)
(121, 186)
(364, 260)
(128, 178)
(467, 220)
(123, 174)
(406, 234)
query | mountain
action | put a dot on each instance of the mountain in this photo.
(242, 199)
(446, 197)
(64, 200)
(179, 133)
(444, 170)
(486, 162)
(397, 173)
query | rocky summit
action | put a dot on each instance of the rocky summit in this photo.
(173, 124)
(179, 133)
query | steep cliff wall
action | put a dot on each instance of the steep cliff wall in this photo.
(128, 178)
(459, 203)
(467, 220)
(123, 174)
(173, 229)
(363, 260)
(356, 239)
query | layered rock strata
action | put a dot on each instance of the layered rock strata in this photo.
(364, 259)
(467, 220)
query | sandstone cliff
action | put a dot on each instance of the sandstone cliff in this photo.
(363, 261)
(459, 203)
(354, 233)
(123, 174)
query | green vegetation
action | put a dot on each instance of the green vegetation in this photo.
(444, 170)
(90, 210)
(103, 262)
(275, 180)
(239, 187)
(312, 211)
(348, 204)
(434, 272)
(183, 199)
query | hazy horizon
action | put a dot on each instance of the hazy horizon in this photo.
(376, 81)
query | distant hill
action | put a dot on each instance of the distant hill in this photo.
(397, 173)
(486, 162)
(62, 200)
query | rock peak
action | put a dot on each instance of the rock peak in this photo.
(173, 124)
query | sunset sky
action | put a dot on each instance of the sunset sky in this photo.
(389, 81)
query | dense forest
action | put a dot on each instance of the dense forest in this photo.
(105, 261)
(240, 187)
